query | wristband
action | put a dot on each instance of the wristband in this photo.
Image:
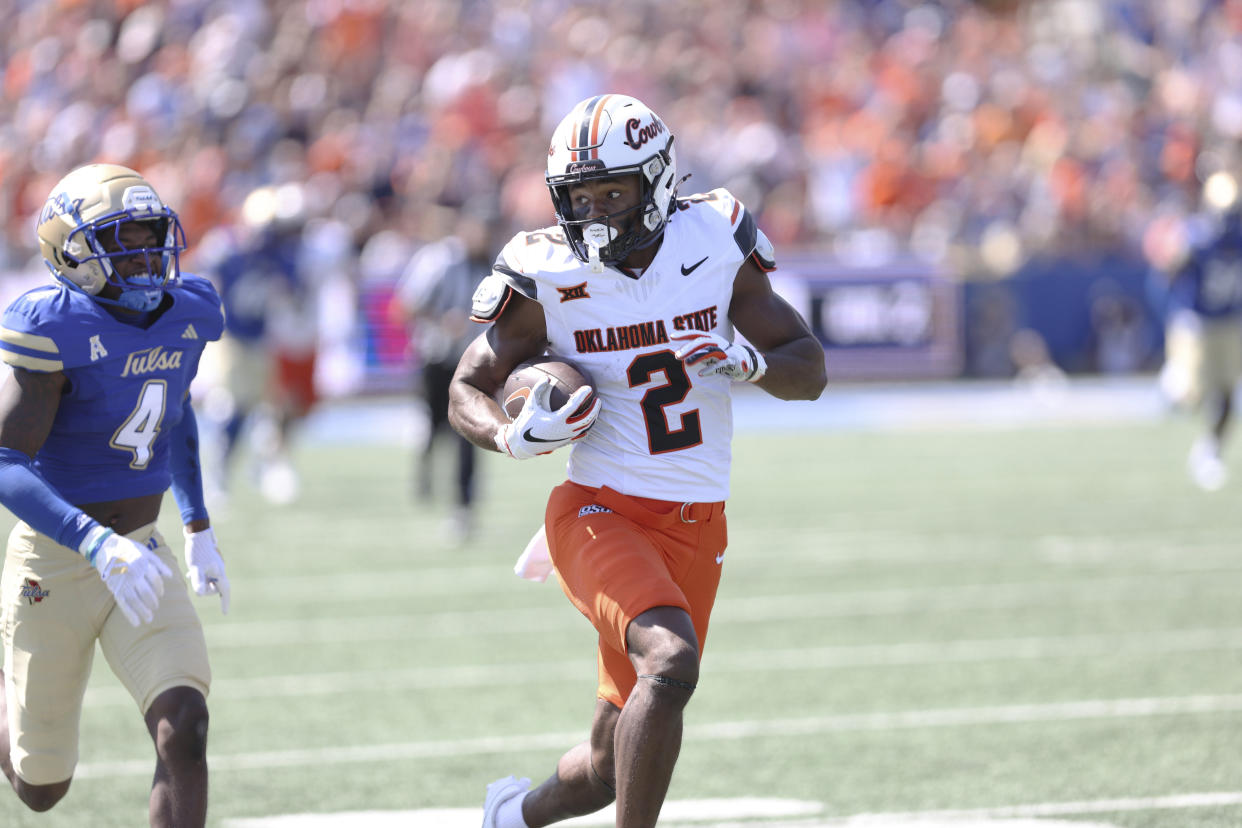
(759, 365)
(92, 543)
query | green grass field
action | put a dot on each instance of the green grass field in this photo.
(910, 622)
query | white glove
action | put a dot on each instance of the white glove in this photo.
(205, 566)
(720, 356)
(133, 573)
(538, 429)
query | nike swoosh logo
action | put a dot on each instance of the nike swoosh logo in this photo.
(686, 271)
(720, 558)
(533, 439)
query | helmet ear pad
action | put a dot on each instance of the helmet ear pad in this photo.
(87, 273)
(655, 216)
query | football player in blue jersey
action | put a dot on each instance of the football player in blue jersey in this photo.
(95, 425)
(1203, 341)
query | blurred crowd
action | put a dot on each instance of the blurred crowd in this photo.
(314, 147)
(972, 134)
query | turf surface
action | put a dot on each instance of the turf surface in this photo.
(909, 621)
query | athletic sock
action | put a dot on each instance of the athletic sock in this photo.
(509, 815)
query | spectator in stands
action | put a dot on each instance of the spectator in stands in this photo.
(942, 125)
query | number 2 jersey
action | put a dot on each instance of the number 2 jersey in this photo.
(126, 387)
(663, 432)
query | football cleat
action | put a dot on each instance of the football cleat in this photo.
(82, 234)
(500, 792)
(1206, 467)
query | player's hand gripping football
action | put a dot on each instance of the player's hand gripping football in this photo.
(205, 566)
(133, 573)
(538, 429)
(718, 355)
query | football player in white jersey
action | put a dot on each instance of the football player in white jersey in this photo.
(642, 290)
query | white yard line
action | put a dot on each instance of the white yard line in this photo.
(778, 813)
(1145, 642)
(826, 547)
(730, 609)
(719, 731)
(1042, 809)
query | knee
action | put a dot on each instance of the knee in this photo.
(678, 662)
(670, 668)
(669, 654)
(179, 726)
(41, 797)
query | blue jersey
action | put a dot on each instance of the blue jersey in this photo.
(126, 385)
(1210, 283)
(248, 278)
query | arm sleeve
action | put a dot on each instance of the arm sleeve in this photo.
(32, 499)
(187, 472)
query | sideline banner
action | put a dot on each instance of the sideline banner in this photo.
(900, 320)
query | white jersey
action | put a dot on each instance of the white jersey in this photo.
(663, 432)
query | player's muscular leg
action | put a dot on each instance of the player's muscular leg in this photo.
(177, 722)
(665, 652)
(584, 780)
(35, 797)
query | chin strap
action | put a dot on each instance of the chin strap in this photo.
(133, 299)
(141, 300)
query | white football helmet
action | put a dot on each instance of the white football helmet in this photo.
(604, 137)
(79, 235)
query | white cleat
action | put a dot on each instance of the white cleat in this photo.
(1206, 468)
(500, 792)
(279, 483)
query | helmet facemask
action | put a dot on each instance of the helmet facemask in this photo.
(100, 245)
(610, 238)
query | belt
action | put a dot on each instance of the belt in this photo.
(658, 513)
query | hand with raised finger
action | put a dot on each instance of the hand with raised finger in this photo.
(539, 429)
(717, 355)
(205, 567)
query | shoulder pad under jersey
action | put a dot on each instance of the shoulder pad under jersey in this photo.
(490, 298)
(527, 253)
(764, 253)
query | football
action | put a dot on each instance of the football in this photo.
(566, 379)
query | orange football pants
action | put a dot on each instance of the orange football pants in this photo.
(617, 556)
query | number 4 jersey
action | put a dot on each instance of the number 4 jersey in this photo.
(664, 432)
(126, 385)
